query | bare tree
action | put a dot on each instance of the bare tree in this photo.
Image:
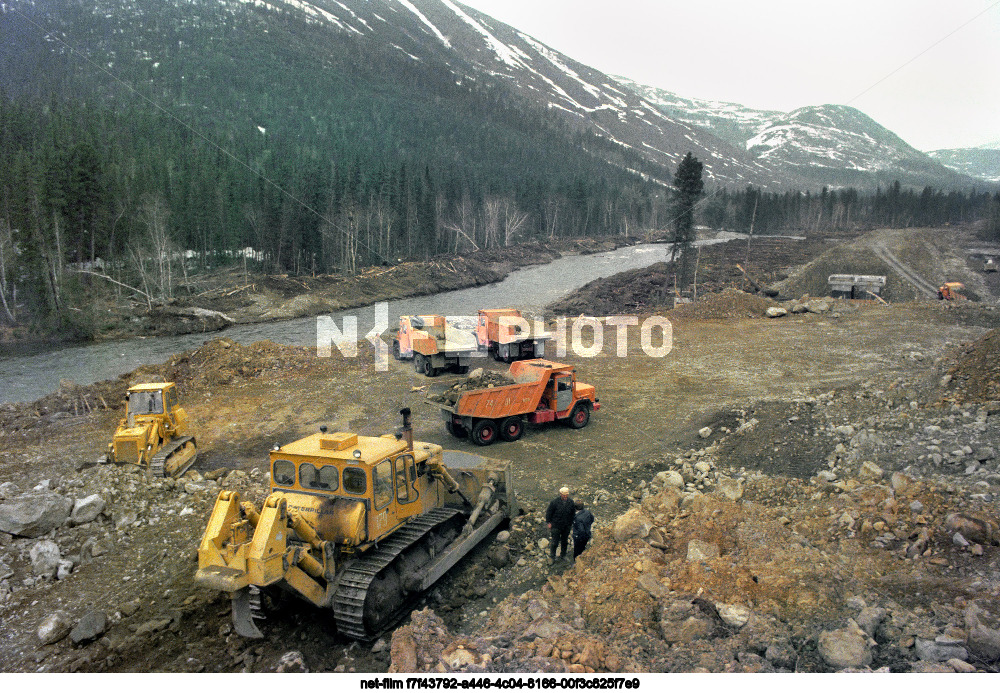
(491, 222)
(513, 220)
(6, 251)
(551, 220)
(154, 214)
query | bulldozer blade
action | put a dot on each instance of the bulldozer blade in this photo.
(243, 615)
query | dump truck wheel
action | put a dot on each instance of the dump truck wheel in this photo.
(418, 363)
(512, 428)
(429, 370)
(395, 350)
(456, 430)
(484, 432)
(579, 417)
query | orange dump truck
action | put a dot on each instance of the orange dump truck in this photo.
(432, 344)
(542, 391)
(507, 336)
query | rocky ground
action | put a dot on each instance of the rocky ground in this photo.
(815, 492)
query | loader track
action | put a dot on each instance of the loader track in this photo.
(158, 461)
(349, 601)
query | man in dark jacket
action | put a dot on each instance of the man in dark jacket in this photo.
(581, 528)
(559, 518)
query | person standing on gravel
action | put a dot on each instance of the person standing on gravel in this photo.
(559, 517)
(581, 528)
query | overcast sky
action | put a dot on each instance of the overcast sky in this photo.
(909, 64)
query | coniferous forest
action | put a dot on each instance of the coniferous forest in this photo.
(204, 134)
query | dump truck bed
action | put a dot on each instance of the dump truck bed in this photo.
(501, 401)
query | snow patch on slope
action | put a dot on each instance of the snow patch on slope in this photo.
(504, 52)
(553, 58)
(441, 37)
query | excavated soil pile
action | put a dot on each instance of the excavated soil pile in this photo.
(976, 375)
(650, 288)
(636, 290)
(479, 381)
(731, 303)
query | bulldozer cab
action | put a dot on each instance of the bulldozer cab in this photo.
(354, 489)
(157, 400)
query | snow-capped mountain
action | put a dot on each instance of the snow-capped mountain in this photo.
(979, 162)
(810, 147)
(478, 47)
(816, 145)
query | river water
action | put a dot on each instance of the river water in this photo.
(25, 378)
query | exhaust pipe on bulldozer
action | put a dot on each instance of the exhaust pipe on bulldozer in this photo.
(407, 428)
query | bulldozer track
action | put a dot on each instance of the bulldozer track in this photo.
(158, 461)
(918, 282)
(349, 601)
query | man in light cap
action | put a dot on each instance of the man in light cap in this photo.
(559, 517)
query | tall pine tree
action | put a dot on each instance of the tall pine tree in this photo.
(688, 187)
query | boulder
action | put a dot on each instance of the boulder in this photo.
(870, 618)
(45, 557)
(844, 648)
(698, 550)
(633, 523)
(900, 483)
(652, 585)
(54, 627)
(731, 489)
(933, 651)
(984, 643)
(735, 615)
(9, 490)
(90, 627)
(670, 478)
(34, 514)
(87, 509)
(870, 471)
(775, 312)
(64, 569)
(403, 651)
(292, 662)
(459, 658)
(977, 529)
(781, 654)
(984, 636)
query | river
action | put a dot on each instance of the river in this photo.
(24, 378)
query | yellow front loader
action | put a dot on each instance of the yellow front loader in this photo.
(154, 432)
(360, 525)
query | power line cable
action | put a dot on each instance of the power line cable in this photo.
(925, 50)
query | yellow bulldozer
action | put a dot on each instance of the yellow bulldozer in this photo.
(355, 524)
(153, 434)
